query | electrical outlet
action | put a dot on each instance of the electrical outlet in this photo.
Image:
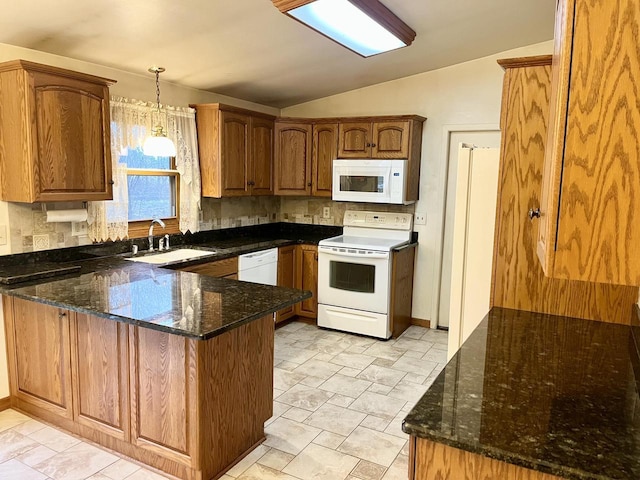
(420, 219)
(79, 228)
(326, 212)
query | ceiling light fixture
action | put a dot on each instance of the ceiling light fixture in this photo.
(158, 145)
(366, 27)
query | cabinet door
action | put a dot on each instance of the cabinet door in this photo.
(390, 140)
(261, 169)
(100, 365)
(234, 150)
(293, 159)
(72, 139)
(220, 268)
(306, 278)
(163, 379)
(594, 193)
(354, 140)
(325, 151)
(41, 366)
(286, 268)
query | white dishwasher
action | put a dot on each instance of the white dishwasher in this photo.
(259, 267)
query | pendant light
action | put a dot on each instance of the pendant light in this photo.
(158, 145)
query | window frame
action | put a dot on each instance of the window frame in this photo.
(140, 228)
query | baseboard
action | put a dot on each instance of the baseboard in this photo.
(420, 322)
(5, 403)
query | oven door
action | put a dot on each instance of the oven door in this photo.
(361, 181)
(353, 278)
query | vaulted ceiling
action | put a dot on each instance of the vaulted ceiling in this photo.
(248, 49)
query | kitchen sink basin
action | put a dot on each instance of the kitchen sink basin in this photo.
(172, 256)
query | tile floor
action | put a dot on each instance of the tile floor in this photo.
(339, 404)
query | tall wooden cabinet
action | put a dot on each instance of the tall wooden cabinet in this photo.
(286, 277)
(518, 279)
(235, 147)
(590, 204)
(55, 143)
(325, 151)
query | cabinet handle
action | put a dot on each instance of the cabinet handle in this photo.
(534, 213)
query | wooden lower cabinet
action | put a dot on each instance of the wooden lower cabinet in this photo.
(220, 268)
(39, 356)
(434, 461)
(100, 369)
(286, 277)
(188, 407)
(306, 278)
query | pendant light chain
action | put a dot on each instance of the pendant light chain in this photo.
(158, 87)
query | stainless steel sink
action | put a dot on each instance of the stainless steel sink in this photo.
(172, 256)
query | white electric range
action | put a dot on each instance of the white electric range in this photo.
(354, 272)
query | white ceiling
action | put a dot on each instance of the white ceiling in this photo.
(248, 49)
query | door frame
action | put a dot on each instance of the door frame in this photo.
(447, 131)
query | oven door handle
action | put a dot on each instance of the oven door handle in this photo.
(352, 255)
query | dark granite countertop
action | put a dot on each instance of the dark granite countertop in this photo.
(554, 394)
(106, 284)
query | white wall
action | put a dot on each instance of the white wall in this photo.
(464, 94)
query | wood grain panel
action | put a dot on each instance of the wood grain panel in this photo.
(286, 274)
(402, 289)
(235, 369)
(220, 268)
(208, 127)
(100, 367)
(518, 278)
(434, 461)
(390, 140)
(42, 365)
(599, 213)
(354, 140)
(293, 159)
(162, 393)
(261, 158)
(325, 151)
(306, 278)
(234, 153)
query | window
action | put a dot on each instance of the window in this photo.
(153, 184)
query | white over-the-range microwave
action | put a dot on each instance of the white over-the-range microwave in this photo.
(372, 181)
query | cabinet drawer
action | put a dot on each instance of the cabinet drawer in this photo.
(221, 268)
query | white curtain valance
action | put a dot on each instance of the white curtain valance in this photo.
(131, 123)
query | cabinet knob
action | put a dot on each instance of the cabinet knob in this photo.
(373, 145)
(111, 182)
(368, 144)
(61, 315)
(534, 213)
(309, 184)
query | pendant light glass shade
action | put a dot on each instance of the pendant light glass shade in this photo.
(158, 145)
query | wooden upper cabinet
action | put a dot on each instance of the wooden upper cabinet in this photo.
(325, 151)
(293, 145)
(56, 141)
(261, 159)
(590, 205)
(235, 147)
(234, 150)
(390, 140)
(355, 140)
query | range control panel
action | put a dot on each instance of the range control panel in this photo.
(386, 220)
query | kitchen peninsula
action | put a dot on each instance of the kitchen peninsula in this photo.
(168, 367)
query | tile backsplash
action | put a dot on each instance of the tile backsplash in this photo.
(29, 230)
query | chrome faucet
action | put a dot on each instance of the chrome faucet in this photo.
(159, 222)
